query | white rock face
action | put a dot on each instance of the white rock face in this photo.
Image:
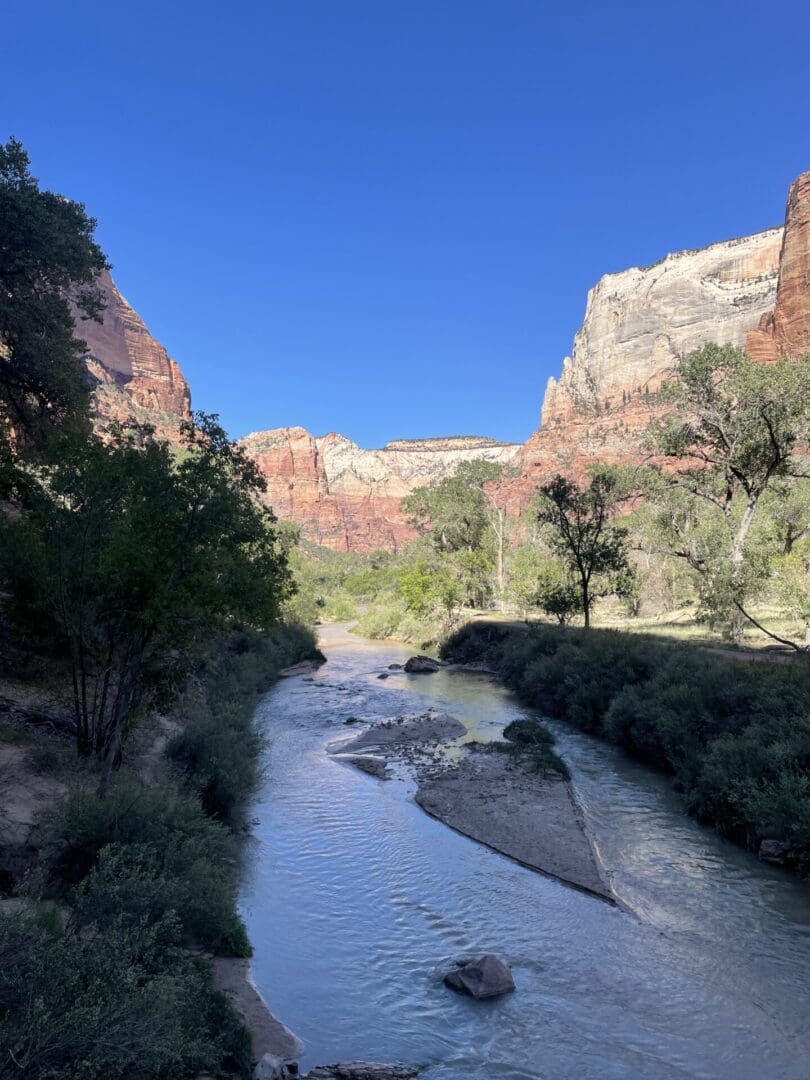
(639, 321)
(403, 465)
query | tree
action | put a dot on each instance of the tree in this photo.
(787, 505)
(540, 580)
(557, 594)
(793, 584)
(48, 257)
(581, 532)
(455, 511)
(734, 429)
(128, 558)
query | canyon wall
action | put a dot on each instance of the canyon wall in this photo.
(347, 498)
(133, 374)
(753, 292)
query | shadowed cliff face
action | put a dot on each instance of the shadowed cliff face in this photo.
(134, 375)
(347, 498)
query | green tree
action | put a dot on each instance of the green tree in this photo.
(455, 512)
(792, 576)
(557, 594)
(733, 429)
(787, 505)
(128, 558)
(48, 258)
(580, 530)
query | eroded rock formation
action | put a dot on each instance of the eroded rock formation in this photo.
(347, 498)
(784, 331)
(134, 375)
(752, 292)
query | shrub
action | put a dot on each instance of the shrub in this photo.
(139, 839)
(125, 1003)
(219, 749)
(735, 737)
(534, 744)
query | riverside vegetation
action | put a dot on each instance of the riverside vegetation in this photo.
(735, 737)
(716, 523)
(710, 532)
(136, 577)
(145, 577)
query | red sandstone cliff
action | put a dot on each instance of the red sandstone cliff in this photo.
(753, 291)
(347, 498)
(134, 374)
(785, 330)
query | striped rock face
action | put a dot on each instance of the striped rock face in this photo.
(347, 498)
(134, 375)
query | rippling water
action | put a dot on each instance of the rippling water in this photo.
(357, 901)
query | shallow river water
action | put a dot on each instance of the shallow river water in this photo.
(357, 901)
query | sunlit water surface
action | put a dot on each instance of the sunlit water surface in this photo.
(357, 901)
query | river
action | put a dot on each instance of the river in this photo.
(356, 903)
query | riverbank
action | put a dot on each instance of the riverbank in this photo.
(734, 737)
(153, 868)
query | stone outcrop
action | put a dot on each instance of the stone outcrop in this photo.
(640, 321)
(347, 498)
(784, 331)
(134, 375)
(752, 292)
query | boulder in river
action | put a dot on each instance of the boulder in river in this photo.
(395, 667)
(383, 675)
(422, 665)
(270, 1067)
(485, 978)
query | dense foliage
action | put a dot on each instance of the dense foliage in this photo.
(735, 736)
(48, 257)
(734, 429)
(126, 558)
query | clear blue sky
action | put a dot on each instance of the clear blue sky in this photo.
(382, 216)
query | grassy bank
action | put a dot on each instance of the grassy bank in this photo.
(734, 736)
(104, 970)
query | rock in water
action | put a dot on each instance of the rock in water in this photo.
(484, 978)
(269, 1068)
(422, 665)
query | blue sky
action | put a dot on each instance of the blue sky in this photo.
(382, 217)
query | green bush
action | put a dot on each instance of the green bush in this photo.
(735, 736)
(141, 840)
(219, 748)
(534, 744)
(125, 1003)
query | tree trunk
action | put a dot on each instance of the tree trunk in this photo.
(586, 604)
(499, 533)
